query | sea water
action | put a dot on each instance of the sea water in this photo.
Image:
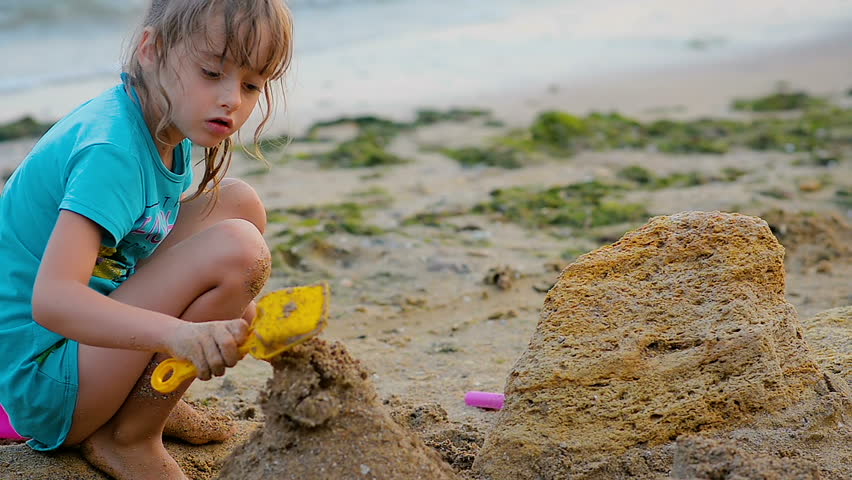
(362, 55)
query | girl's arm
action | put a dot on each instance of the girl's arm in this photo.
(64, 303)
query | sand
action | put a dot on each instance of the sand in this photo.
(421, 306)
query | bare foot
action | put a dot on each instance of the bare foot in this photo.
(197, 425)
(147, 460)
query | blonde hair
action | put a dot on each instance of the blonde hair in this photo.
(174, 22)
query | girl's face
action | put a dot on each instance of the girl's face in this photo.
(212, 97)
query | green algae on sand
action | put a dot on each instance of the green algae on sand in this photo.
(575, 205)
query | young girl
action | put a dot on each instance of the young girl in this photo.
(99, 273)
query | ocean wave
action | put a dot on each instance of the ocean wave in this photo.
(23, 13)
(11, 85)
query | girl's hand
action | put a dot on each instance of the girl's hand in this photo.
(210, 346)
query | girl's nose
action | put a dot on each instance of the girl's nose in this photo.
(231, 97)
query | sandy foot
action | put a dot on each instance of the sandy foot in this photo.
(143, 461)
(197, 425)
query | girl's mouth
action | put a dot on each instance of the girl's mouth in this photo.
(220, 125)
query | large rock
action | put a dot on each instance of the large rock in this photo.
(681, 327)
(324, 421)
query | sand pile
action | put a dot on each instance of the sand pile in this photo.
(324, 421)
(811, 240)
(829, 335)
(456, 442)
(712, 459)
(678, 330)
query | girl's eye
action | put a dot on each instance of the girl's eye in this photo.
(252, 87)
(210, 74)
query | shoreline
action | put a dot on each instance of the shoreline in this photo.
(694, 89)
(702, 86)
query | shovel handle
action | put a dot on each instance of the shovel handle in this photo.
(170, 373)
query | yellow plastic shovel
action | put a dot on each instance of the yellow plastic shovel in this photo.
(284, 319)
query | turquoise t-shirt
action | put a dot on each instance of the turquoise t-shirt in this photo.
(100, 162)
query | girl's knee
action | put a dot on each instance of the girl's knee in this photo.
(242, 242)
(240, 198)
(244, 257)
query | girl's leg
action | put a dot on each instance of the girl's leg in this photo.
(236, 200)
(210, 267)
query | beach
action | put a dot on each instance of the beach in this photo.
(436, 293)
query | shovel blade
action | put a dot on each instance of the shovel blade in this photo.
(288, 317)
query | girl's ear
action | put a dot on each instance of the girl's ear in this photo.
(148, 48)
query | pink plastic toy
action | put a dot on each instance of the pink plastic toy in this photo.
(485, 400)
(6, 430)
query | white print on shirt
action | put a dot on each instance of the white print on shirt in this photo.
(156, 227)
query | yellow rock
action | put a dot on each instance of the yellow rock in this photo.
(680, 327)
